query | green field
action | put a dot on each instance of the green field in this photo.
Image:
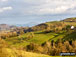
(39, 38)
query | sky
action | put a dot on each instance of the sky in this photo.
(35, 11)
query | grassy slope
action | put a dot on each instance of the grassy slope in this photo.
(20, 53)
(38, 38)
(71, 36)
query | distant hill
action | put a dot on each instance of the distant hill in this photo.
(50, 25)
(55, 24)
(6, 27)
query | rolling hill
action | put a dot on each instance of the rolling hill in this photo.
(40, 34)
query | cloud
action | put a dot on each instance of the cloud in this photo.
(36, 10)
(56, 10)
(41, 7)
(50, 6)
(4, 0)
(5, 9)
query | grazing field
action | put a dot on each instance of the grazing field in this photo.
(39, 38)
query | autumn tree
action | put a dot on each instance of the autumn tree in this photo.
(30, 35)
(48, 29)
(34, 47)
(74, 46)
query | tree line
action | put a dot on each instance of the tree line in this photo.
(53, 48)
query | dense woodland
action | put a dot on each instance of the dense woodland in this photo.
(50, 38)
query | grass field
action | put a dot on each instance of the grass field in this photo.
(38, 38)
(20, 53)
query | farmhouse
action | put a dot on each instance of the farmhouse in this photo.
(72, 27)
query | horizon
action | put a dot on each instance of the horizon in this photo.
(30, 24)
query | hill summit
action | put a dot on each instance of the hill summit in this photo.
(70, 19)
